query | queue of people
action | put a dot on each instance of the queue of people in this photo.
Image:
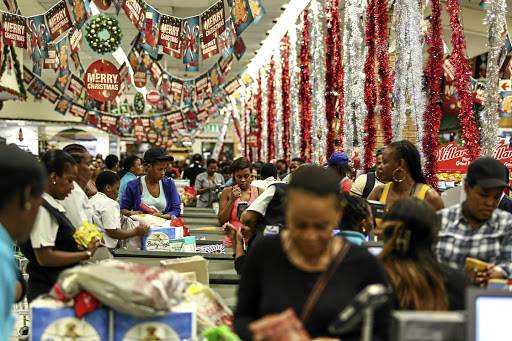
(291, 227)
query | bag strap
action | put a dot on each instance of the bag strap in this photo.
(370, 183)
(321, 283)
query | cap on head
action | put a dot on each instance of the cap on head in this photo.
(338, 158)
(488, 173)
(156, 154)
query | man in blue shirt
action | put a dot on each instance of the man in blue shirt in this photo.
(133, 167)
(22, 186)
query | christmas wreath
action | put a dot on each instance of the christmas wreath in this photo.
(103, 34)
(139, 103)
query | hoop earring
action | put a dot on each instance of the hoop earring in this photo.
(28, 206)
(394, 176)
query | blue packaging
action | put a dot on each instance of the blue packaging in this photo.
(54, 321)
(159, 238)
(178, 325)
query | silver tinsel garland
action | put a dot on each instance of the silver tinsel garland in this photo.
(295, 127)
(224, 128)
(264, 112)
(278, 102)
(243, 123)
(319, 120)
(354, 56)
(496, 20)
(408, 87)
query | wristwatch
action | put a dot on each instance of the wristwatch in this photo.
(89, 254)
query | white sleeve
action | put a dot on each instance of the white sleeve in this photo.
(359, 184)
(111, 217)
(45, 230)
(261, 203)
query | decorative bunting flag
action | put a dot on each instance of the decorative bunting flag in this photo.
(81, 11)
(176, 91)
(63, 104)
(28, 76)
(75, 39)
(245, 77)
(201, 84)
(102, 80)
(232, 86)
(241, 15)
(135, 10)
(216, 77)
(123, 72)
(39, 37)
(124, 125)
(175, 121)
(188, 92)
(507, 48)
(52, 62)
(36, 87)
(118, 4)
(170, 35)
(50, 94)
(213, 22)
(37, 67)
(257, 10)
(145, 61)
(58, 19)
(78, 111)
(134, 58)
(151, 32)
(94, 118)
(78, 63)
(12, 6)
(165, 85)
(156, 71)
(226, 41)
(158, 123)
(76, 86)
(509, 68)
(191, 40)
(239, 48)
(209, 49)
(14, 30)
(190, 67)
(63, 77)
(225, 64)
(140, 77)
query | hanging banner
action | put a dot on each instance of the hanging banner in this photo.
(78, 111)
(39, 37)
(153, 97)
(58, 19)
(241, 15)
(225, 64)
(175, 121)
(252, 140)
(76, 86)
(192, 67)
(479, 96)
(151, 32)
(145, 61)
(170, 35)
(12, 6)
(216, 77)
(75, 39)
(118, 4)
(135, 10)
(134, 58)
(191, 40)
(36, 88)
(201, 84)
(151, 136)
(156, 72)
(509, 68)
(245, 77)
(102, 80)
(188, 92)
(28, 76)
(239, 48)
(50, 94)
(94, 118)
(63, 104)
(226, 41)
(209, 49)
(158, 123)
(37, 67)
(232, 86)
(176, 91)
(109, 123)
(165, 85)
(78, 63)
(140, 77)
(506, 104)
(52, 62)
(63, 77)
(139, 131)
(14, 30)
(81, 11)
(213, 21)
(124, 125)
(257, 10)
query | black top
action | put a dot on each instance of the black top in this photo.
(192, 172)
(271, 283)
(455, 283)
(42, 278)
(505, 204)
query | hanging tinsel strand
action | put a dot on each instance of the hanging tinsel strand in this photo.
(295, 118)
(495, 19)
(271, 147)
(278, 100)
(305, 91)
(285, 89)
(434, 73)
(470, 133)
(258, 100)
(264, 112)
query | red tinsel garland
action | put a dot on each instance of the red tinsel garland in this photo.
(305, 92)
(470, 133)
(334, 73)
(386, 86)
(271, 147)
(285, 89)
(246, 117)
(434, 73)
(258, 110)
(370, 93)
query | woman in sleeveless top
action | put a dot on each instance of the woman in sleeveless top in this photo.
(401, 167)
(51, 247)
(232, 196)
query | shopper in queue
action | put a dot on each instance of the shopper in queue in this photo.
(366, 183)
(91, 189)
(281, 271)
(134, 169)
(476, 228)
(51, 247)
(231, 197)
(23, 183)
(194, 170)
(341, 164)
(112, 163)
(294, 165)
(206, 183)
(153, 189)
(357, 220)
(77, 206)
(419, 281)
(401, 169)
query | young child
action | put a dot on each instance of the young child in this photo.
(107, 214)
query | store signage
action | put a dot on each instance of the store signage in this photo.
(170, 35)
(252, 140)
(140, 77)
(134, 9)
(14, 30)
(102, 80)
(58, 19)
(76, 86)
(152, 136)
(153, 97)
(454, 159)
(139, 130)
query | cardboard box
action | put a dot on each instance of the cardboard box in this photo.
(178, 325)
(52, 320)
(159, 238)
(185, 244)
(196, 264)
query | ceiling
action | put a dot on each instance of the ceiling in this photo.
(473, 16)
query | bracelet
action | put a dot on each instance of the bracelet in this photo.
(89, 254)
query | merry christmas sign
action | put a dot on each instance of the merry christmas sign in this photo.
(14, 30)
(58, 19)
(102, 80)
